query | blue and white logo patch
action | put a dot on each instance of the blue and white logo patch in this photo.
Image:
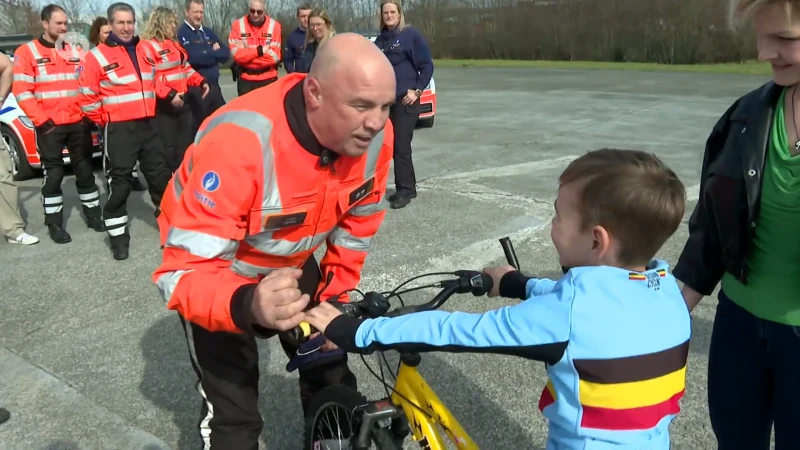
(211, 181)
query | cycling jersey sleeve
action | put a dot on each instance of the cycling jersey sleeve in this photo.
(516, 285)
(537, 329)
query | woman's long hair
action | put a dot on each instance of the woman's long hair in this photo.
(158, 24)
(94, 31)
(322, 14)
(401, 23)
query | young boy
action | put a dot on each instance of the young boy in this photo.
(614, 330)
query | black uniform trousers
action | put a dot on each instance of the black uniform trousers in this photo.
(175, 126)
(404, 119)
(125, 143)
(245, 86)
(77, 138)
(226, 365)
(204, 107)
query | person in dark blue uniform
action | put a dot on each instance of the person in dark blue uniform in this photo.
(295, 43)
(320, 29)
(206, 52)
(413, 67)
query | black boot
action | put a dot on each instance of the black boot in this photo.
(4, 415)
(94, 219)
(120, 245)
(58, 234)
(401, 198)
(120, 252)
(95, 223)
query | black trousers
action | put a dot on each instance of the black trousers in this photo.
(404, 119)
(78, 140)
(125, 143)
(245, 86)
(204, 107)
(175, 125)
(753, 373)
(226, 365)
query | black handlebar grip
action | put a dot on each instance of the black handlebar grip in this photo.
(511, 255)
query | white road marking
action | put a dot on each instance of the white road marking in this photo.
(511, 170)
(693, 193)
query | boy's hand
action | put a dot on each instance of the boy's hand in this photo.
(497, 274)
(321, 316)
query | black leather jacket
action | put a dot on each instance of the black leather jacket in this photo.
(721, 226)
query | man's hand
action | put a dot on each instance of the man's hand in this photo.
(177, 101)
(321, 316)
(215, 46)
(206, 88)
(410, 97)
(497, 274)
(278, 304)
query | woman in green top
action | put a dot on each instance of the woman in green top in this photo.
(745, 232)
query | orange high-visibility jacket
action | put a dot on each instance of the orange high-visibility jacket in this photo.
(248, 200)
(256, 63)
(173, 70)
(46, 84)
(111, 88)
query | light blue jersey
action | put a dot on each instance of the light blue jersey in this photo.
(615, 343)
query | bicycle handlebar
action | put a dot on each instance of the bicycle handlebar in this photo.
(376, 304)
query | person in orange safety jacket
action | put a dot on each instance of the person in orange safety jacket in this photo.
(255, 42)
(46, 88)
(257, 193)
(118, 93)
(173, 115)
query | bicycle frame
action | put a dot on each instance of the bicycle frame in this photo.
(412, 394)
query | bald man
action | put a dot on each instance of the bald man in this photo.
(271, 176)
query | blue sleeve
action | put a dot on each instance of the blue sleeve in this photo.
(223, 53)
(539, 286)
(536, 329)
(289, 56)
(422, 60)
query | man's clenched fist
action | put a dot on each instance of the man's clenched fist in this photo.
(278, 304)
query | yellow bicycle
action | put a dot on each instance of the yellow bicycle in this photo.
(411, 407)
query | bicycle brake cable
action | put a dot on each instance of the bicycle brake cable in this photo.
(387, 386)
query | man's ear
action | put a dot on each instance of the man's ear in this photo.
(601, 243)
(312, 92)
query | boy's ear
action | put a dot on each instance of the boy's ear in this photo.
(601, 243)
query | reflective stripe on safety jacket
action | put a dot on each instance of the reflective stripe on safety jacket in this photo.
(173, 69)
(46, 83)
(249, 199)
(111, 88)
(246, 41)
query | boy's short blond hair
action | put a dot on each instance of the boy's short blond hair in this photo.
(633, 195)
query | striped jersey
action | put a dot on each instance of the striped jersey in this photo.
(615, 344)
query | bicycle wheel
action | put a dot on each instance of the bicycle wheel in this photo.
(329, 421)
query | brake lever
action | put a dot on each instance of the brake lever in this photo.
(475, 282)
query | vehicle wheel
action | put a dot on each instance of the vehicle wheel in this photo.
(329, 421)
(20, 167)
(425, 123)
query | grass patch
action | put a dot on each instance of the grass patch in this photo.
(747, 68)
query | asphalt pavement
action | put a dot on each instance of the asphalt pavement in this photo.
(91, 359)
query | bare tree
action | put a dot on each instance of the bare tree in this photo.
(19, 17)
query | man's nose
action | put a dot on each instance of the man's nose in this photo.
(375, 121)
